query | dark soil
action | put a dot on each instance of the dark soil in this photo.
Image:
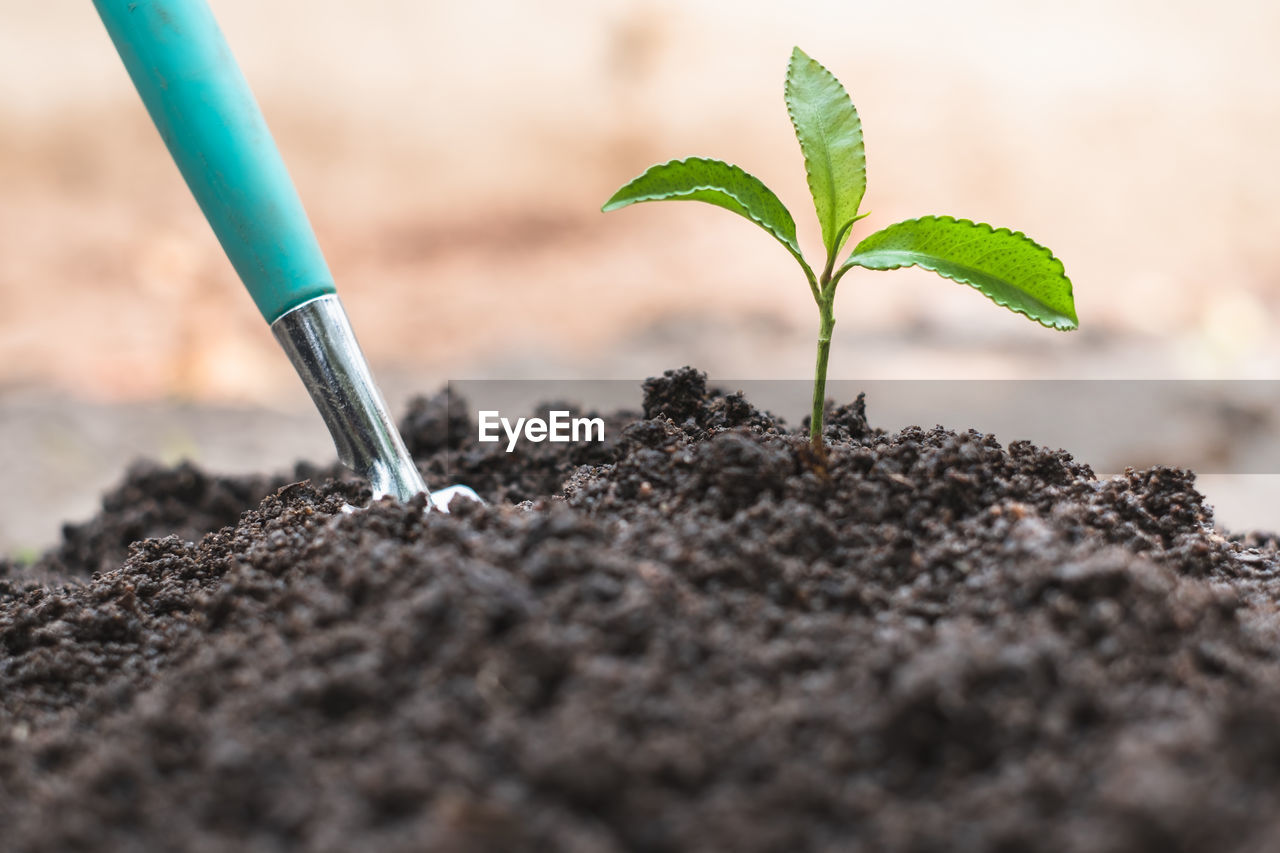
(694, 638)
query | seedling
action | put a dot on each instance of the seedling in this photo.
(1007, 266)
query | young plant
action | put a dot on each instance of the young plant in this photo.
(1007, 266)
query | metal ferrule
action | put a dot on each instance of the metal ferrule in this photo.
(318, 339)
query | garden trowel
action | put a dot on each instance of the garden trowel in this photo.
(202, 106)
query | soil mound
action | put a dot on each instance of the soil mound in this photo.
(694, 637)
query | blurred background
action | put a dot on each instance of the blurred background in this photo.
(453, 158)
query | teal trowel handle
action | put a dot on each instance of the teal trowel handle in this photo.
(202, 106)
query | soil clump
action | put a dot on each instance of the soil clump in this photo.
(689, 638)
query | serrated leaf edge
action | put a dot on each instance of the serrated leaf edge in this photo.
(804, 150)
(990, 229)
(791, 242)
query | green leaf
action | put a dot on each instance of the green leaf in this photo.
(830, 135)
(1009, 267)
(715, 182)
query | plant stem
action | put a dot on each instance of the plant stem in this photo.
(827, 323)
